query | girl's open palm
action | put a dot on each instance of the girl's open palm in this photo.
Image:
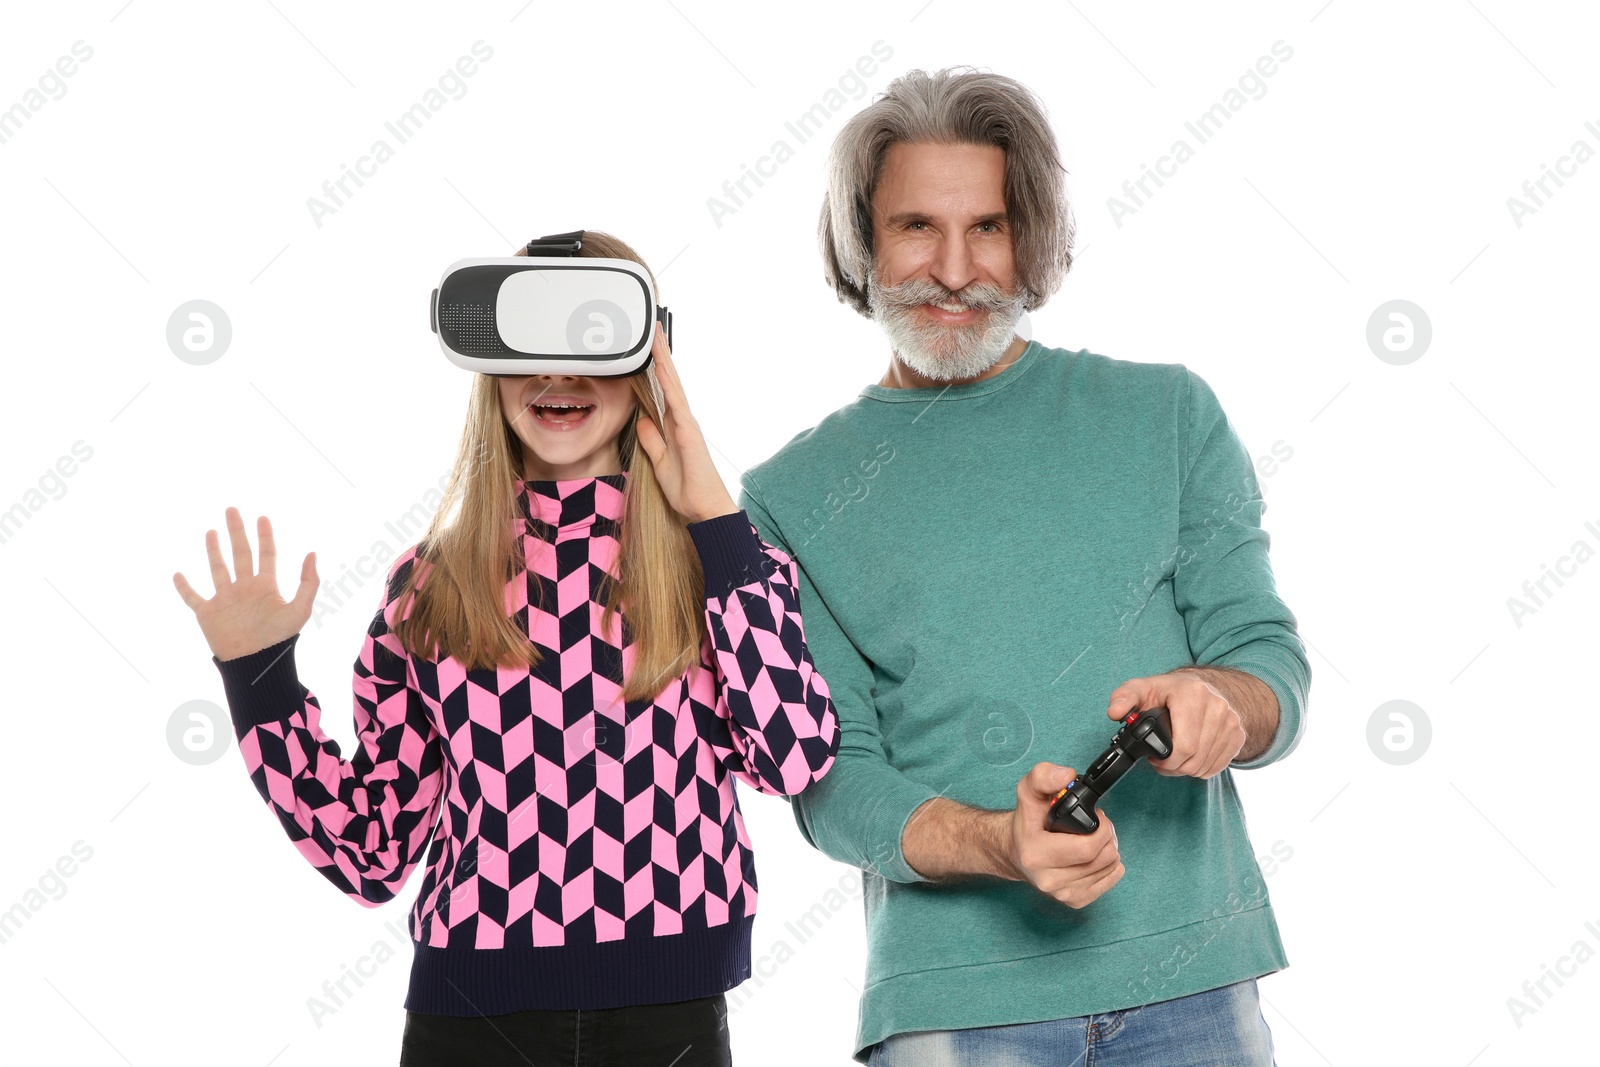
(248, 614)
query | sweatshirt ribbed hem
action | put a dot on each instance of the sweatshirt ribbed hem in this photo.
(607, 974)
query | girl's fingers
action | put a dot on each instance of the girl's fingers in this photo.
(269, 549)
(243, 566)
(655, 445)
(220, 578)
(670, 385)
(309, 581)
(645, 430)
(663, 358)
(658, 350)
(185, 590)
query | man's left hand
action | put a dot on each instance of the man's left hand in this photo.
(1207, 733)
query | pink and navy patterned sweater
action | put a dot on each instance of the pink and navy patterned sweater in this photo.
(590, 853)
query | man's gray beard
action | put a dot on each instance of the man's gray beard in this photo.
(937, 350)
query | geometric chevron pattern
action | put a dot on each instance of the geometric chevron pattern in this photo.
(562, 815)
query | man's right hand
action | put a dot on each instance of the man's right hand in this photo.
(1073, 868)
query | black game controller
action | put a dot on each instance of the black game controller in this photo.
(1143, 733)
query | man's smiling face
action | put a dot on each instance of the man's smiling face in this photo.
(943, 263)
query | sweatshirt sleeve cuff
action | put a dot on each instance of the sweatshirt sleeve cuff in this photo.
(889, 827)
(731, 553)
(262, 687)
(857, 814)
(1288, 733)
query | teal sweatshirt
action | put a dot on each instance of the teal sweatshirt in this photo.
(980, 565)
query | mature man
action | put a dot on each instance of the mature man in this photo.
(995, 542)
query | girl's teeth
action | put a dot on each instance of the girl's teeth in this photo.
(560, 413)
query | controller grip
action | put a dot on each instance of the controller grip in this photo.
(1072, 812)
(1154, 734)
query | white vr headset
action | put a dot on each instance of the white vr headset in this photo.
(548, 312)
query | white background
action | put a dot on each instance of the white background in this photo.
(1377, 165)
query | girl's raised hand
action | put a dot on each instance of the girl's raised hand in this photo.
(248, 614)
(678, 451)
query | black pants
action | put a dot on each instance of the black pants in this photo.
(689, 1033)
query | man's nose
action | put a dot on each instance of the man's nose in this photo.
(953, 265)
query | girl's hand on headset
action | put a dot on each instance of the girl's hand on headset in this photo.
(248, 614)
(682, 462)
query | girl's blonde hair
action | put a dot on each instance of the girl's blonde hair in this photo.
(461, 610)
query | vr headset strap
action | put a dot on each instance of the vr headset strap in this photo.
(556, 244)
(568, 244)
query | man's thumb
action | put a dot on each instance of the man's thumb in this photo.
(1047, 779)
(1123, 701)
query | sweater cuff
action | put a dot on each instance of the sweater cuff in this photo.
(262, 687)
(1287, 737)
(857, 814)
(887, 831)
(731, 553)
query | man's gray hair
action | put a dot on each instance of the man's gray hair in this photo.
(957, 105)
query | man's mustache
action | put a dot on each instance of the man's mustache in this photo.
(916, 291)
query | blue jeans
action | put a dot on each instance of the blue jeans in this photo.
(1218, 1028)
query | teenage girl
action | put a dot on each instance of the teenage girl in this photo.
(557, 690)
